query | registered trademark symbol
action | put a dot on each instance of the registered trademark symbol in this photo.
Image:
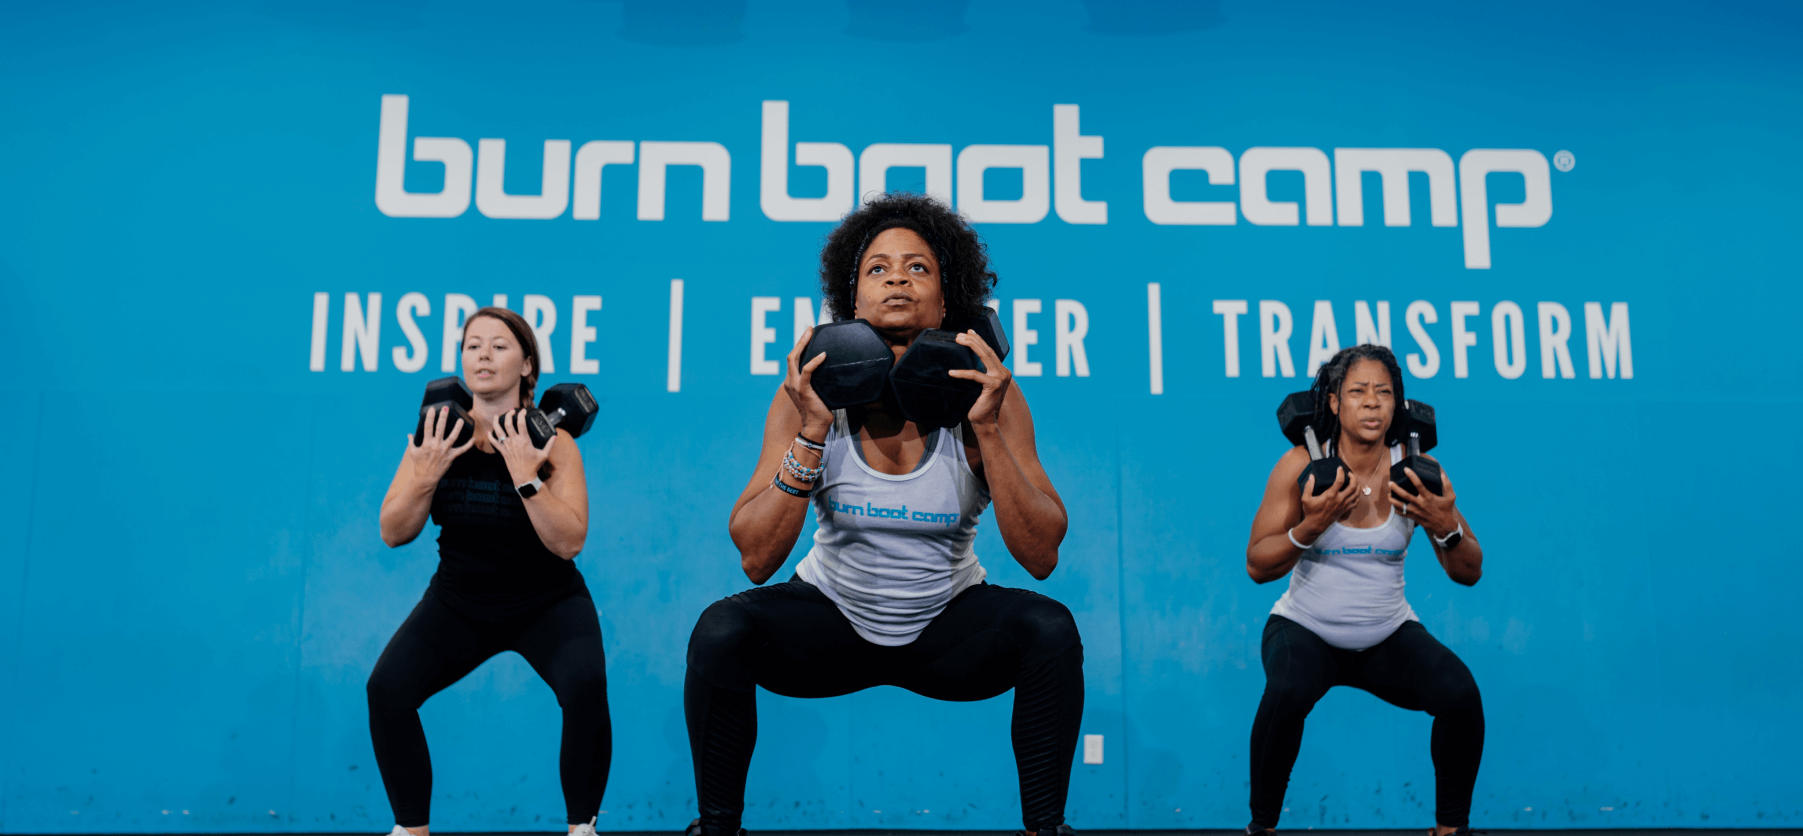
(1564, 161)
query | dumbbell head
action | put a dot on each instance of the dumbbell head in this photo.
(577, 403)
(451, 389)
(449, 393)
(567, 406)
(1415, 416)
(856, 367)
(1425, 469)
(1295, 414)
(1325, 470)
(929, 396)
(988, 325)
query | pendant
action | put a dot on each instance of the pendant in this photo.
(1367, 490)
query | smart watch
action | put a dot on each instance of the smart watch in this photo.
(531, 489)
(1452, 540)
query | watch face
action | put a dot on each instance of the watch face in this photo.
(527, 490)
(1452, 540)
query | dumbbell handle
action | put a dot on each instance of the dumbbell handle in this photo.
(1314, 446)
(1414, 444)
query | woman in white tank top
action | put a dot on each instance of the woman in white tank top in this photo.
(892, 592)
(1344, 619)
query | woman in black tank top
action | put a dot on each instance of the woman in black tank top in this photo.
(506, 578)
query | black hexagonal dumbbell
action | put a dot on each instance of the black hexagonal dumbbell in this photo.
(1414, 424)
(988, 325)
(1418, 427)
(924, 388)
(570, 407)
(449, 393)
(1296, 417)
(856, 367)
(1418, 417)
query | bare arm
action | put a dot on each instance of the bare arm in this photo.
(767, 520)
(1285, 510)
(1438, 516)
(1028, 511)
(559, 511)
(408, 502)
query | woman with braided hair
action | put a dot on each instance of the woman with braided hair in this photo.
(1344, 620)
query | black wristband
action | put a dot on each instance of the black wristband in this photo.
(790, 489)
(811, 444)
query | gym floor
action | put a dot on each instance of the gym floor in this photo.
(1413, 832)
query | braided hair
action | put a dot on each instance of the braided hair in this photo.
(1332, 377)
(965, 279)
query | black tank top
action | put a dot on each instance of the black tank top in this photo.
(491, 564)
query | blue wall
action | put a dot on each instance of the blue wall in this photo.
(192, 590)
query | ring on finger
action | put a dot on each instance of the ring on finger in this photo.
(1405, 509)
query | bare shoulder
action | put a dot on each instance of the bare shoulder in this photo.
(1291, 463)
(565, 453)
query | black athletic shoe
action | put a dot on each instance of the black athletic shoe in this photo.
(696, 828)
(1255, 829)
(1060, 830)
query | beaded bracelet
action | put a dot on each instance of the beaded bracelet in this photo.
(809, 443)
(790, 490)
(802, 474)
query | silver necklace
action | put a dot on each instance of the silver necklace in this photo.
(1380, 465)
(1374, 472)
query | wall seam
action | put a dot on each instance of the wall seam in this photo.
(31, 509)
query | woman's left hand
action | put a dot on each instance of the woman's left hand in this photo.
(1431, 511)
(510, 437)
(988, 408)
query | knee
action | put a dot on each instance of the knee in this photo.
(388, 690)
(584, 688)
(1455, 692)
(1047, 629)
(719, 634)
(1287, 698)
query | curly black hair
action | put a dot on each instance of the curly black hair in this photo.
(964, 275)
(1333, 375)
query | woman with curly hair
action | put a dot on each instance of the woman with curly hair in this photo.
(892, 598)
(1344, 620)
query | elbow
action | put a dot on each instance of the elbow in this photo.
(756, 568)
(1043, 567)
(394, 539)
(1258, 574)
(1469, 578)
(572, 545)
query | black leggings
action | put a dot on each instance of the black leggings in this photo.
(435, 647)
(792, 640)
(1410, 669)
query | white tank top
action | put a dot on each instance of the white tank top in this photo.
(892, 551)
(1347, 587)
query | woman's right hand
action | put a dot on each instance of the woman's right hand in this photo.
(1319, 512)
(816, 419)
(433, 456)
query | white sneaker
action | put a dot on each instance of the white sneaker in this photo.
(399, 831)
(581, 829)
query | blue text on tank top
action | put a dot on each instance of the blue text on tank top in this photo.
(892, 551)
(1347, 587)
